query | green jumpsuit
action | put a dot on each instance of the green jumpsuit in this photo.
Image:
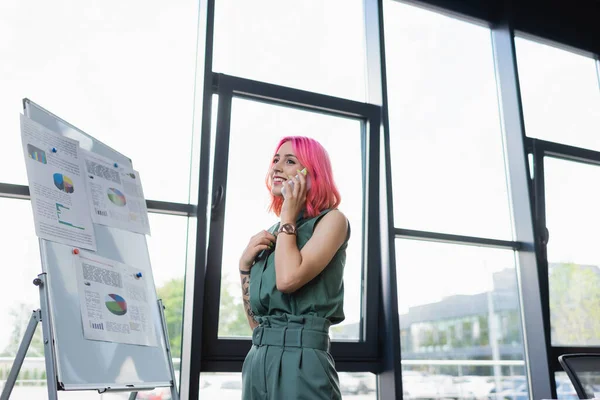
(290, 358)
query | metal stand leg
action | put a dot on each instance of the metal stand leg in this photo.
(21, 353)
(161, 310)
(40, 315)
(49, 355)
(133, 395)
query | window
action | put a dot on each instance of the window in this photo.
(167, 247)
(458, 303)
(19, 297)
(560, 94)
(572, 219)
(564, 387)
(255, 131)
(300, 44)
(122, 72)
(446, 143)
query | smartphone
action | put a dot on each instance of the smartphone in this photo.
(304, 172)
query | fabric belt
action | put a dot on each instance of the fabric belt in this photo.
(290, 337)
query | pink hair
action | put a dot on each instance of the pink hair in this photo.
(323, 193)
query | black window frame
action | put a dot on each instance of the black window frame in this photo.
(540, 149)
(227, 354)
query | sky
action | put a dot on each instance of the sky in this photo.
(124, 73)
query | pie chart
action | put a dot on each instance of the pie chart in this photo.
(116, 197)
(115, 304)
(63, 183)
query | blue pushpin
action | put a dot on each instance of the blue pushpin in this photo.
(116, 165)
(54, 150)
(138, 275)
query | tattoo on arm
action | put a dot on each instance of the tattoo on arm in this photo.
(248, 309)
(246, 287)
(245, 280)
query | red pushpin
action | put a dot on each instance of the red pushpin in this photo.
(75, 251)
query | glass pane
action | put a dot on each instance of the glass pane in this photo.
(255, 131)
(18, 296)
(572, 218)
(167, 247)
(228, 386)
(587, 373)
(560, 94)
(564, 387)
(446, 143)
(460, 322)
(126, 77)
(300, 44)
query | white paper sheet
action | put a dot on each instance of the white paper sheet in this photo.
(115, 194)
(114, 301)
(58, 196)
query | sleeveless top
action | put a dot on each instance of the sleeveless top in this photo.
(322, 297)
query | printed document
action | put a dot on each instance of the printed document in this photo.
(115, 194)
(58, 196)
(114, 301)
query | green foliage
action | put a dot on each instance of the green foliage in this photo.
(484, 331)
(171, 294)
(232, 315)
(575, 304)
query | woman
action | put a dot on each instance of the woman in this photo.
(292, 279)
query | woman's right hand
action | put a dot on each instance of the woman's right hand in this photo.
(261, 241)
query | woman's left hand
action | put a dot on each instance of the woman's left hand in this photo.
(293, 200)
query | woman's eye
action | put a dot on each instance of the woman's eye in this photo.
(275, 160)
(290, 161)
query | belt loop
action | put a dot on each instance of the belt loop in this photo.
(300, 334)
(283, 332)
(260, 333)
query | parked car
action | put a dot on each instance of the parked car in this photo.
(564, 391)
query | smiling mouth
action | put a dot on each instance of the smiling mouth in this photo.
(278, 181)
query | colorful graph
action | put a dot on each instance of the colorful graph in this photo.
(63, 183)
(66, 216)
(36, 154)
(115, 304)
(116, 197)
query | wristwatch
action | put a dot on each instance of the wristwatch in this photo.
(290, 229)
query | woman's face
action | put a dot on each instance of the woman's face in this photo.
(284, 166)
